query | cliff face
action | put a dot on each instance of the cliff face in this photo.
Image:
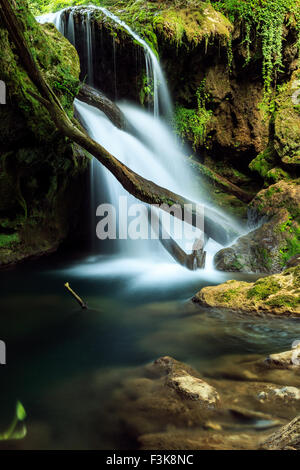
(40, 170)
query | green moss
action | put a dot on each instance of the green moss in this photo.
(191, 25)
(182, 22)
(228, 296)
(56, 57)
(277, 174)
(8, 239)
(292, 243)
(190, 124)
(284, 300)
(263, 288)
(37, 173)
(264, 162)
(287, 126)
(263, 23)
(39, 7)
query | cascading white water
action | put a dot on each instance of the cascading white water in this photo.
(70, 34)
(89, 45)
(153, 153)
(153, 69)
(147, 160)
(161, 98)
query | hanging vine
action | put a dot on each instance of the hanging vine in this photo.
(266, 18)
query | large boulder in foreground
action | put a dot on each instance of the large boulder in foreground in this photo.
(277, 294)
(269, 247)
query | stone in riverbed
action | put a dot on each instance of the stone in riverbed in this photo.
(277, 294)
(292, 393)
(286, 438)
(194, 389)
(168, 365)
(285, 393)
(286, 359)
(186, 382)
(166, 394)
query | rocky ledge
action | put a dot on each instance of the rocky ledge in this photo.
(276, 294)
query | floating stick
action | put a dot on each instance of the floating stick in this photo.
(79, 300)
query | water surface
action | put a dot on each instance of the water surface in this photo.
(138, 311)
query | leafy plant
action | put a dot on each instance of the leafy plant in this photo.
(264, 19)
(12, 432)
(191, 123)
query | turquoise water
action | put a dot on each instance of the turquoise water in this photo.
(136, 314)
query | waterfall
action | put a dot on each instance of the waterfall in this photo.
(153, 69)
(144, 158)
(89, 45)
(151, 151)
(65, 24)
(71, 29)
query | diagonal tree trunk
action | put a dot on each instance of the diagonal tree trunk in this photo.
(143, 189)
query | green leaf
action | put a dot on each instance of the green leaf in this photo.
(20, 411)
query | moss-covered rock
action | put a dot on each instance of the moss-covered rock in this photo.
(284, 194)
(277, 294)
(185, 22)
(287, 123)
(191, 23)
(270, 246)
(40, 169)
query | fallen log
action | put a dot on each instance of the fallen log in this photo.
(95, 98)
(216, 227)
(193, 261)
(221, 182)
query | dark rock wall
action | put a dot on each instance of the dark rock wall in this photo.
(40, 171)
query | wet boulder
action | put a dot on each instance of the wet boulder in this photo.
(276, 294)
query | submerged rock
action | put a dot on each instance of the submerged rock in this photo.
(166, 394)
(285, 359)
(194, 389)
(285, 393)
(286, 438)
(277, 294)
(186, 382)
